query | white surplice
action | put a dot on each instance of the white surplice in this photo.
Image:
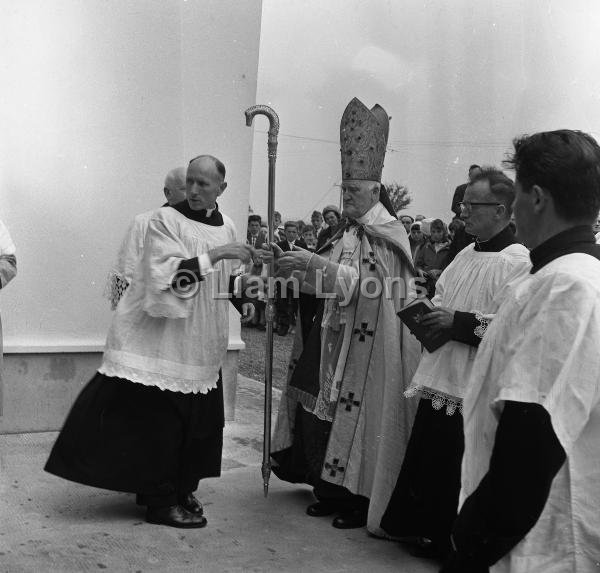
(165, 337)
(543, 347)
(469, 284)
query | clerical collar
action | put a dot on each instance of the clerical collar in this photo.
(207, 216)
(376, 215)
(578, 239)
(498, 242)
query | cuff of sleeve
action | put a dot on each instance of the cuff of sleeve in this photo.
(237, 286)
(464, 326)
(320, 275)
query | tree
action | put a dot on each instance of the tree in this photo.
(399, 195)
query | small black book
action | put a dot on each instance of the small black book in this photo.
(412, 315)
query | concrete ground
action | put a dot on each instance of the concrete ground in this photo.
(51, 525)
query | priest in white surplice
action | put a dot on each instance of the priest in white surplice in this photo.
(531, 470)
(151, 421)
(425, 501)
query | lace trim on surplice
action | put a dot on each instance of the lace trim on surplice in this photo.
(162, 381)
(115, 287)
(438, 399)
(483, 324)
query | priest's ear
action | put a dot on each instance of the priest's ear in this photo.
(222, 187)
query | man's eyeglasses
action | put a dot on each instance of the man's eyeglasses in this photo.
(467, 206)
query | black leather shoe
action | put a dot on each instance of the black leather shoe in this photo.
(350, 520)
(320, 509)
(189, 502)
(426, 549)
(174, 516)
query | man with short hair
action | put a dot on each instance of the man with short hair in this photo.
(530, 477)
(316, 220)
(151, 420)
(343, 422)
(255, 237)
(425, 501)
(132, 245)
(278, 230)
(308, 236)
(459, 192)
(407, 221)
(286, 303)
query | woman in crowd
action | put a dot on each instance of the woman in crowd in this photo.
(332, 217)
(433, 256)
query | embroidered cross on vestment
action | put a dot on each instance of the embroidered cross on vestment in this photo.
(363, 331)
(349, 401)
(371, 260)
(334, 467)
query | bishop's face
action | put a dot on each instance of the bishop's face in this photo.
(358, 197)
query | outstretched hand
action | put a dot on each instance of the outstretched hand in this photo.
(232, 251)
(296, 260)
(264, 255)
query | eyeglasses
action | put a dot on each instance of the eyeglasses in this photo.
(467, 206)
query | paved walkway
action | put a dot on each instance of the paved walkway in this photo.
(51, 525)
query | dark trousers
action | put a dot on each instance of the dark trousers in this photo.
(286, 305)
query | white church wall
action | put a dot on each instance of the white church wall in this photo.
(100, 99)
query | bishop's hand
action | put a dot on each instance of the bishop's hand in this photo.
(289, 261)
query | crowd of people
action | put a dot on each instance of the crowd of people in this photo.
(481, 452)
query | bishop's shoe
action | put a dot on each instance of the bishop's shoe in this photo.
(174, 516)
(321, 509)
(350, 519)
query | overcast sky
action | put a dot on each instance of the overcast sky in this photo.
(460, 79)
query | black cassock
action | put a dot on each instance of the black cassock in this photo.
(125, 436)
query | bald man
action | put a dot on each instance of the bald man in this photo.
(130, 251)
(151, 420)
(174, 188)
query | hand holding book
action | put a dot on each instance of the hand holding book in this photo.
(431, 325)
